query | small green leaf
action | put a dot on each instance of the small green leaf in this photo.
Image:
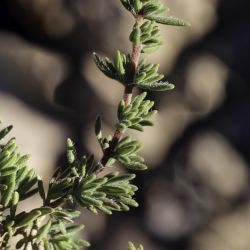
(5, 131)
(137, 4)
(137, 166)
(105, 66)
(156, 86)
(45, 210)
(137, 127)
(70, 151)
(28, 218)
(124, 141)
(135, 36)
(8, 171)
(168, 20)
(74, 229)
(47, 245)
(9, 162)
(122, 178)
(82, 243)
(131, 246)
(98, 128)
(105, 210)
(90, 201)
(153, 7)
(126, 150)
(138, 99)
(150, 48)
(41, 187)
(128, 6)
(118, 63)
(120, 110)
(7, 195)
(15, 199)
(44, 230)
(22, 161)
(146, 123)
(129, 201)
(123, 159)
(111, 161)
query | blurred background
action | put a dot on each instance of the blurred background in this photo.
(196, 194)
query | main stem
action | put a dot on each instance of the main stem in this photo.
(127, 98)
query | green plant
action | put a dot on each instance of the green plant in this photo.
(51, 226)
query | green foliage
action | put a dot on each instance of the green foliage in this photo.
(126, 154)
(148, 78)
(51, 226)
(18, 183)
(131, 246)
(55, 233)
(136, 115)
(113, 192)
(117, 69)
(152, 10)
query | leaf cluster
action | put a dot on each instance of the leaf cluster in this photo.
(117, 69)
(136, 115)
(16, 180)
(17, 183)
(113, 192)
(152, 10)
(148, 78)
(146, 34)
(54, 234)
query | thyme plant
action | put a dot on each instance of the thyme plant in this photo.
(51, 226)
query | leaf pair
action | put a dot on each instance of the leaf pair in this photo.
(152, 10)
(118, 69)
(148, 78)
(136, 115)
(126, 154)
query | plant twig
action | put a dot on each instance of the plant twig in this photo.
(127, 98)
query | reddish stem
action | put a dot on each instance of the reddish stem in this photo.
(127, 97)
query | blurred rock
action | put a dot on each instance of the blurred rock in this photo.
(166, 216)
(29, 71)
(229, 231)
(44, 17)
(206, 90)
(218, 165)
